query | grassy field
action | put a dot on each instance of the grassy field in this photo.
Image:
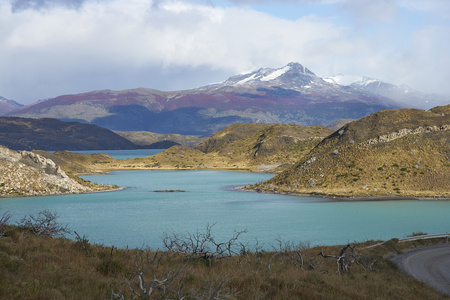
(196, 266)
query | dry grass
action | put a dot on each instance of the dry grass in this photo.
(400, 152)
(57, 268)
(256, 147)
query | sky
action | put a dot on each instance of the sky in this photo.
(55, 47)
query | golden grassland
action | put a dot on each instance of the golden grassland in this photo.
(34, 267)
(397, 169)
(255, 147)
(402, 152)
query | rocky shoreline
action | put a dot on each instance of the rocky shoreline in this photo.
(26, 174)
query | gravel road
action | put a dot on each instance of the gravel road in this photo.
(430, 265)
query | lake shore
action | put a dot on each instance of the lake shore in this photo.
(338, 198)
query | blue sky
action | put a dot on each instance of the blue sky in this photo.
(54, 47)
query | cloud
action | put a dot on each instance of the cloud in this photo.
(47, 49)
(308, 2)
(20, 5)
(368, 11)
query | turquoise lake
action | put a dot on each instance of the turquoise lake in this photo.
(122, 154)
(138, 216)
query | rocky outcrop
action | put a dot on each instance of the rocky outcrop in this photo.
(24, 173)
(403, 132)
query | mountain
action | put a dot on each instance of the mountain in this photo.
(50, 134)
(7, 105)
(399, 152)
(402, 94)
(291, 94)
(26, 173)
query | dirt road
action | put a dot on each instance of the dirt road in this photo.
(430, 265)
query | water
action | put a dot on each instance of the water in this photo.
(122, 154)
(138, 217)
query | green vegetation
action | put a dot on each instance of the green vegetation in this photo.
(197, 266)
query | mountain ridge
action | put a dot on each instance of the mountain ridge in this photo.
(291, 94)
(7, 105)
(403, 94)
(51, 134)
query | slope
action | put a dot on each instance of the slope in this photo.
(401, 152)
(7, 105)
(24, 173)
(50, 134)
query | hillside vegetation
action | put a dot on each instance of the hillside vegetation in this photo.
(253, 146)
(400, 152)
(38, 266)
(51, 134)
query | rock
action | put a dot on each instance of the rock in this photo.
(24, 173)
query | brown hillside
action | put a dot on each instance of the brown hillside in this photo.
(402, 152)
(257, 147)
(230, 134)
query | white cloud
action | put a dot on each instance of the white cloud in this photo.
(175, 44)
(369, 11)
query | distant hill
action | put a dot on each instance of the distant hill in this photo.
(339, 123)
(254, 146)
(400, 93)
(159, 141)
(400, 152)
(7, 105)
(50, 134)
(291, 95)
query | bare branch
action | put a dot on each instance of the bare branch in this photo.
(83, 241)
(202, 245)
(44, 224)
(344, 260)
(4, 223)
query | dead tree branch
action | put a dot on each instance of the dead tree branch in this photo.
(202, 245)
(4, 223)
(147, 265)
(44, 224)
(83, 241)
(344, 260)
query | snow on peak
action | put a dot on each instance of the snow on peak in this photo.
(275, 74)
(344, 80)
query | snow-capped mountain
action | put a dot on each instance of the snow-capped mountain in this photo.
(403, 94)
(293, 76)
(290, 94)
